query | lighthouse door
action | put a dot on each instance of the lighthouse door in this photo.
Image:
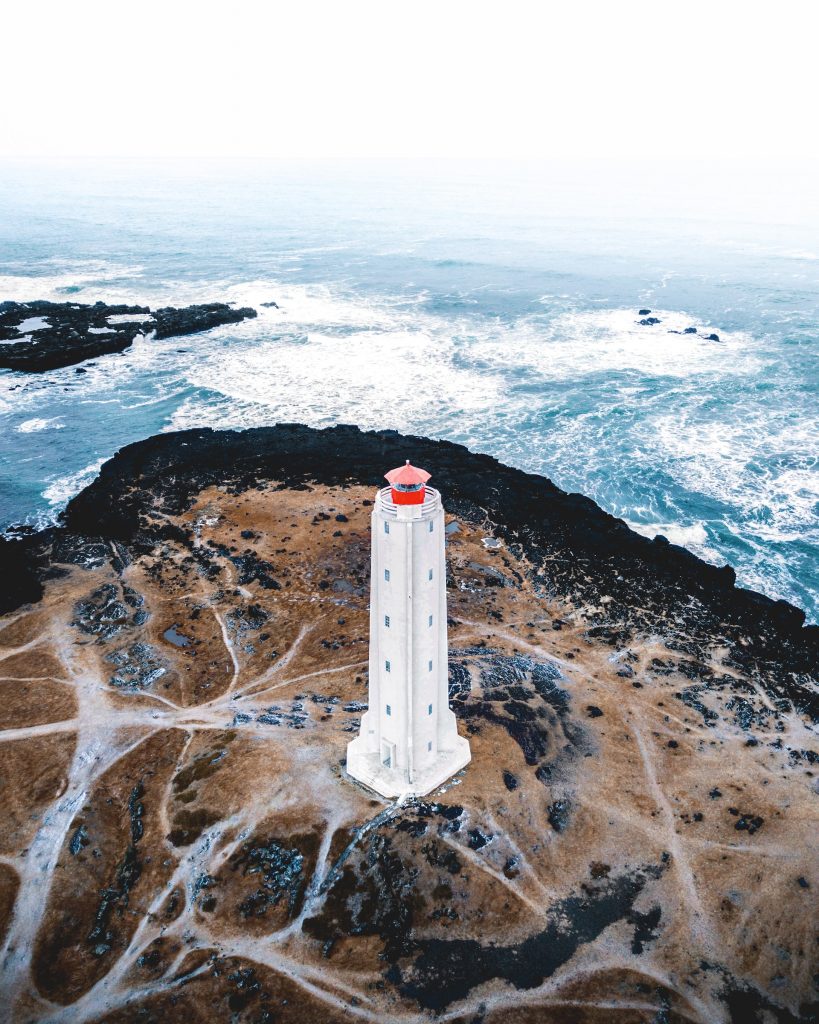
(387, 754)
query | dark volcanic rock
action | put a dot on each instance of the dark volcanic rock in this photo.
(23, 567)
(580, 553)
(102, 614)
(559, 814)
(446, 970)
(171, 322)
(72, 332)
(280, 876)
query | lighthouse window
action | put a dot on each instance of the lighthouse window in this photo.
(430, 666)
(430, 527)
(389, 710)
(430, 620)
(387, 575)
(429, 745)
(429, 709)
(430, 573)
(387, 621)
(386, 527)
(387, 665)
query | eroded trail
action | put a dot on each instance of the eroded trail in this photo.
(181, 842)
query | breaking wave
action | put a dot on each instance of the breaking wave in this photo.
(676, 433)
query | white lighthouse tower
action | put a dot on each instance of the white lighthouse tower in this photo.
(409, 742)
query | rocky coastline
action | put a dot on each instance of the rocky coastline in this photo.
(39, 336)
(629, 583)
(183, 661)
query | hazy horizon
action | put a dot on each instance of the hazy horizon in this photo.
(509, 295)
(711, 81)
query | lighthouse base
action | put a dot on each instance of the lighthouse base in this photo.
(366, 767)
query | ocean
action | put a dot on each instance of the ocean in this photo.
(490, 304)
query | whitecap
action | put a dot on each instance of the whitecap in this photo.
(694, 537)
(760, 462)
(34, 425)
(576, 344)
(398, 378)
(129, 318)
(62, 489)
(67, 276)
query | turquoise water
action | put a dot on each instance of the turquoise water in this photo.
(493, 306)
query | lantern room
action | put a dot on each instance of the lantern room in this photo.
(407, 484)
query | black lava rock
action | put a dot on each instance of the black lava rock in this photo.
(73, 332)
(171, 322)
(589, 553)
(559, 813)
(749, 823)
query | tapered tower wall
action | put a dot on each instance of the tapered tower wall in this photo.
(409, 740)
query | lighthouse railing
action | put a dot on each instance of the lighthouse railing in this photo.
(432, 501)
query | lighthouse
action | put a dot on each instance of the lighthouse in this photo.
(409, 742)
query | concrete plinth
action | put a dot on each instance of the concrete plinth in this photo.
(367, 769)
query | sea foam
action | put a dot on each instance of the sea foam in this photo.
(35, 425)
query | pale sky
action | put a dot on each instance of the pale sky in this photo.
(431, 78)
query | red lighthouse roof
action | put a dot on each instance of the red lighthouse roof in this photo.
(407, 476)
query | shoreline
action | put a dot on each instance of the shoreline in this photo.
(40, 335)
(596, 561)
(178, 705)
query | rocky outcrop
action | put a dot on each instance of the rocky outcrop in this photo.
(69, 333)
(171, 322)
(179, 827)
(590, 555)
(651, 321)
(39, 336)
